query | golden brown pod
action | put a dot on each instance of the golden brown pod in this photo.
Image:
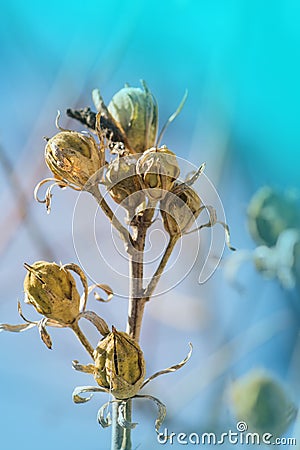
(52, 291)
(158, 169)
(123, 183)
(179, 209)
(119, 365)
(73, 157)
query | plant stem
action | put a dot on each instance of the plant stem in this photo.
(159, 271)
(82, 338)
(124, 233)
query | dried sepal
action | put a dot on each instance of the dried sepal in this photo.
(162, 410)
(48, 195)
(107, 289)
(16, 328)
(171, 368)
(89, 368)
(104, 417)
(122, 421)
(96, 320)
(75, 268)
(172, 117)
(213, 221)
(77, 398)
(45, 336)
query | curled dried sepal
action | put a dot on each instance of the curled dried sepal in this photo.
(162, 410)
(171, 368)
(45, 336)
(122, 417)
(77, 398)
(97, 321)
(107, 289)
(41, 325)
(213, 221)
(104, 417)
(75, 268)
(48, 195)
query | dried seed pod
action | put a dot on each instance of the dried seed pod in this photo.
(179, 209)
(52, 291)
(119, 365)
(270, 213)
(262, 402)
(73, 157)
(123, 183)
(136, 110)
(158, 169)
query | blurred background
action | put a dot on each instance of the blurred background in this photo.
(240, 64)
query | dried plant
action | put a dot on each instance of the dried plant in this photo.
(122, 154)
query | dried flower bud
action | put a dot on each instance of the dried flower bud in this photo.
(52, 291)
(261, 401)
(179, 209)
(158, 169)
(73, 157)
(123, 182)
(270, 213)
(136, 111)
(119, 365)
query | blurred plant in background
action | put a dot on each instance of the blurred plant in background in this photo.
(238, 62)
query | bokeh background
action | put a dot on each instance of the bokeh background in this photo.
(240, 64)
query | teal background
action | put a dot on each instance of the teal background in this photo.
(239, 61)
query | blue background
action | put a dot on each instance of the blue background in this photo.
(240, 64)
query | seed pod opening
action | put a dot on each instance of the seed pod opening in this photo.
(158, 169)
(52, 291)
(73, 157)
(179, 209)
(123, 183)
(119, 365)
(136, 110)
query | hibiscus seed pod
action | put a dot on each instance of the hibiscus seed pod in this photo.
(52, 291)
(119, 365)
(261, 401)
(179, 209)
(123, 183)
(158, 169)
(73, 157)
(136, 110)
(270, 213)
